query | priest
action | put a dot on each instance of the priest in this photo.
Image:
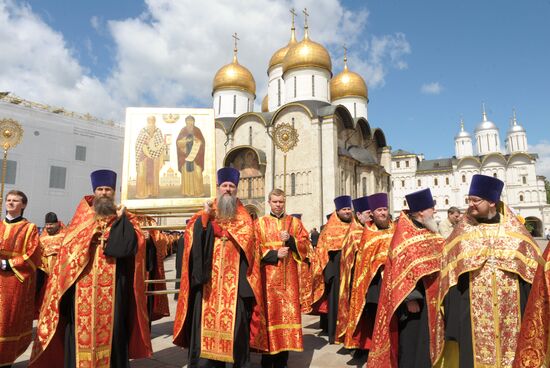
(94, 311)
(408, 326)
(283, 244)
(220, 305)
(340, 230)
(19, 257)
(488, 266)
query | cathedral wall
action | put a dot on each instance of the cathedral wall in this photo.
(357, 106)
(275, 87)
(307, 84)
(232, 103)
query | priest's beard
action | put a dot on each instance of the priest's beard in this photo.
(430, 224)
(227, 206)
(104, 206)
(380, 223)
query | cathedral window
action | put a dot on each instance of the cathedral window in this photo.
(364, 186)
(295, 87)
(407, 163)
(524, 179)
(419, 182)
(234, 104)
(250, 136)
(248, 105)
(354, 110)
(446, 201)
(404, 203)
(447, 181)
(464, 178)
(313, 85)
(398, 164)
(436, 182)
(278, 92)
(521, 197)
(494, 175)
(292, 184)
(58, 176)
(402, 183)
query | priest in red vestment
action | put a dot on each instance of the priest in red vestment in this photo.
(408, 330)
(367, 277)
(219, 316)
(341, 229)
(283, 244)
(94, 312)
(19, 258)
(533, 349)
(489, 264)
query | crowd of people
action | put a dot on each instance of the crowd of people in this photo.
(471, 291)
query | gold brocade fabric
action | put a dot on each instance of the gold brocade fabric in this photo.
(220, 293)
(414, 255)
(533, 350)
(281, 282)
(371, 256)
(18, 245)
(495, 255)
(81, 262)
(50, 247)
(333, 237)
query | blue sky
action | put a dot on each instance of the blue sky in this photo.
(101, 56)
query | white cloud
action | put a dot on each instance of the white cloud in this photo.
(542, 148)
(433, 88)
(169, 54)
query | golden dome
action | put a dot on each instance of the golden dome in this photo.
(280, 54)
(307, 53)
(234, 76)
(265, 106)
(347, 84)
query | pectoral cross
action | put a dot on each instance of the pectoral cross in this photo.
(223, 239)
(102, 240)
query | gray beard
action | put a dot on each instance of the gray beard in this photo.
(227, 207)
(430, 224)
(104, 206)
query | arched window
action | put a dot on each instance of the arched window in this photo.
(404, 203)
(524, 179)
(294, 86)
(521, 197)
(313, 85)
(436, 182)
(494, 175)
(292, 184)
(278, 92)
(446, 201)
(419, 182)
(364, 186)
(402, 183)
(219, 104)
(464, 178)
(447, 181)
(250, 136)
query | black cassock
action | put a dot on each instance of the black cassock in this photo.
(200, 271)
(331, 276)
(122, 244)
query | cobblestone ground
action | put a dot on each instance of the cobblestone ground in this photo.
(317, 351)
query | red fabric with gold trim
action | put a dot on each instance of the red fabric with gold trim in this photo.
(332, 238)
(414, 254)
(281, 282)
(82, 263)
(50, 247)
(304, 276)
(533, 350)
(220, 293)
(347, 263)
(19, 246)
(370, 257)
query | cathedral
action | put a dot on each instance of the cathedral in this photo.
(312, 137)
(449, 178)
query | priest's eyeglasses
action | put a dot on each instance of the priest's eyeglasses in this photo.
(476, 201)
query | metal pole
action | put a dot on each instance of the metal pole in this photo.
(4, 170)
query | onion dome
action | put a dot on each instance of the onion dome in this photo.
(514, 126)
(279, 55)
(265, 106)
(307, 53)
(485, 124)
(347, 84)
(234, 76)
(463, 133)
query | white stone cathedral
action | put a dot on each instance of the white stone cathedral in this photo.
(338, 152)
(449, 178)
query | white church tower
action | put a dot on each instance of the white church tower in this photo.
(349, 89)
(487, 136)
(516, 139)
(233, 89)
(463, 143)
(307, 69)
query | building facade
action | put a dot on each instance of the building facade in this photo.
(337, 152)
(57, 153)
(449, 178)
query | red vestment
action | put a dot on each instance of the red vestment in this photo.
(355, 331)
(533, 350)
(414, 255)
(220, 292)
(81, 263)
(280, 282)
(18, 245)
